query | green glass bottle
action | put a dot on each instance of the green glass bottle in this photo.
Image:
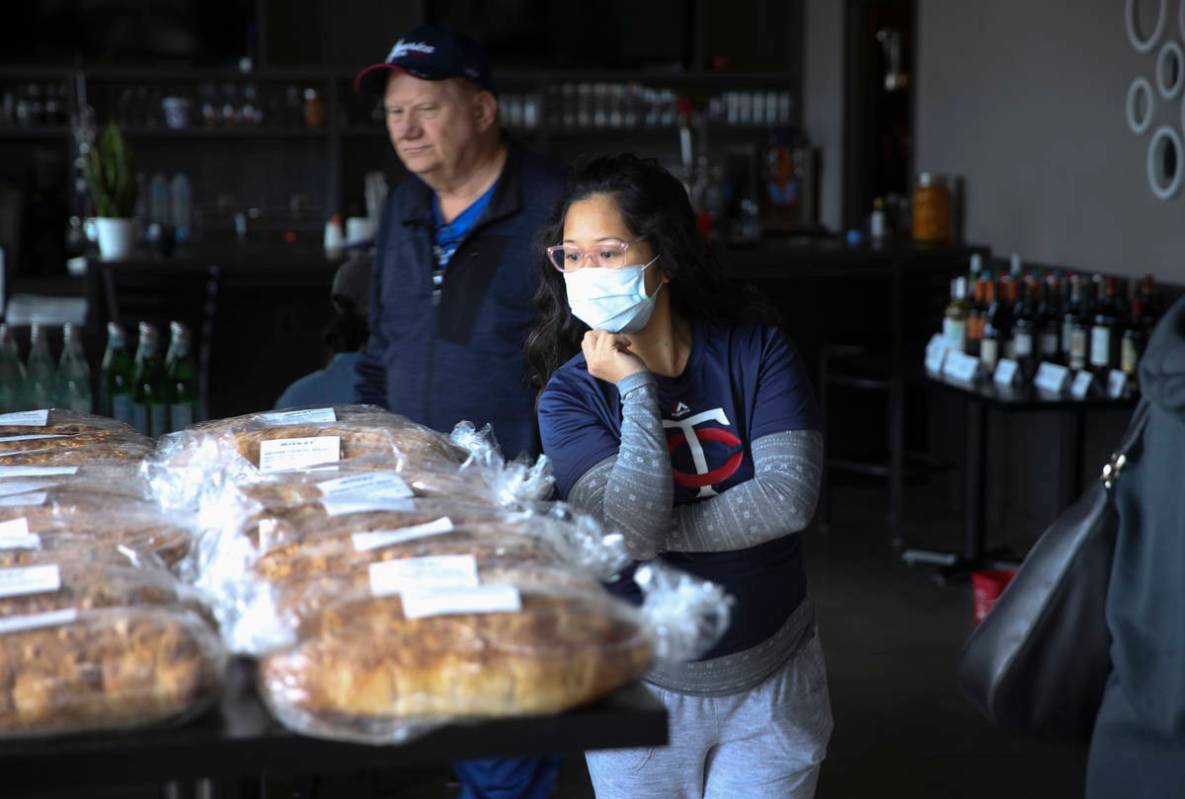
(116, 389)
(74, 374)
(40, 374)
(182, 374)
(12, 373)
(151, 385)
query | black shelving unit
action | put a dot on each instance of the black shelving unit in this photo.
(347, 144)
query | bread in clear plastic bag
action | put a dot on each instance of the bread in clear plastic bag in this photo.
(84, 584)
(118, 478)
(38, 548)
(71, 670)
(106, 519)
(115, 450)
(61, 422)
(365, 430)
(363, 671)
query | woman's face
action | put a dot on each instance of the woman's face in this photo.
(596, 220)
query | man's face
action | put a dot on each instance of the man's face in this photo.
(433, 124)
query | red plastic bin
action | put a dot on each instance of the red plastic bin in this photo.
(986, 587)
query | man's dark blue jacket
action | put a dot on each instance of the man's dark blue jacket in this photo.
(462, 359)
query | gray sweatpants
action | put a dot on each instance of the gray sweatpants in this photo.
(765, 742)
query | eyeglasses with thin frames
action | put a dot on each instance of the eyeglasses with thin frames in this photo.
(605, 254)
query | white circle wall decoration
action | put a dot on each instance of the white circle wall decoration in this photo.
(1164, 162)
(1141, 103)
(1131, 14)
(1170, 68)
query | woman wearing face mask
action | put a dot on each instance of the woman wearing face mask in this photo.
(692, 430)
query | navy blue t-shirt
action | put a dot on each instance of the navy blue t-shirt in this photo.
(741, 382)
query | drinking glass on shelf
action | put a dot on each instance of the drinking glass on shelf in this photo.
(569, 105)
(209, 109)
(230, 106)
(584, 112)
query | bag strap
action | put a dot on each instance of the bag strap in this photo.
(1127, 445)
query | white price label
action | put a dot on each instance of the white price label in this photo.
(25, 419)
(10, 439)
(386, 483)
(960, 366)
(377, 539)
(1007, 371)
(38, 471)
(312, 416)
(283, 454)
(436, 571)
(23, 500)
(14, 528)
(30, 541)
(10, 487)
(1052, 377)
(1116, 384)
(421, 603)
(33, 621)
(936, 353)
(1081, 385)
(347, 504)
(29, 580)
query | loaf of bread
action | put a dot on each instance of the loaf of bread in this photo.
(106, 519)
(67, 423)
(86, 585)
(442, 481)
(117, 478)
(365, 432)
(118, 450)
(73, 441)
(105, 669)
(340, 552)
(311, 520)
(364, 661)
(71, 547)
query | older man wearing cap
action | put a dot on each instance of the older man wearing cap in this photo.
(450, 300)
(453, 279)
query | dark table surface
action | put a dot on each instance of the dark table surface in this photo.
(240, 739)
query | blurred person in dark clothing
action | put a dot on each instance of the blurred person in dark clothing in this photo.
(450, 299)
(346, 336)
(1138, 747)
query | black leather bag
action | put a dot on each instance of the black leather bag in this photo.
(1038, 664)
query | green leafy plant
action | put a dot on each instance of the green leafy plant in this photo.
(111, 174)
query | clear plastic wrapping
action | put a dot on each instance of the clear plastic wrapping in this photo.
(70, 670)
(61, 422)
(395, 579)
(83, 584)
(196, 467)
(103, 518)
(118, 478)
(112, 451)
(363, 670)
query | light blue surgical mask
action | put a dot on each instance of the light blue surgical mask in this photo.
(613, 300)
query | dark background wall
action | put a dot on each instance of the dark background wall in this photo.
(1026, 101)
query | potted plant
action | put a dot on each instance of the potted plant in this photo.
(111, 175)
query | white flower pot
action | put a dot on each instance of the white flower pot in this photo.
(117, 238)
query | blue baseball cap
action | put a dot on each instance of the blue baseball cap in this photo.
(430, 52)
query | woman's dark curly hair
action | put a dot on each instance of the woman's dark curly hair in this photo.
(654, 206)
